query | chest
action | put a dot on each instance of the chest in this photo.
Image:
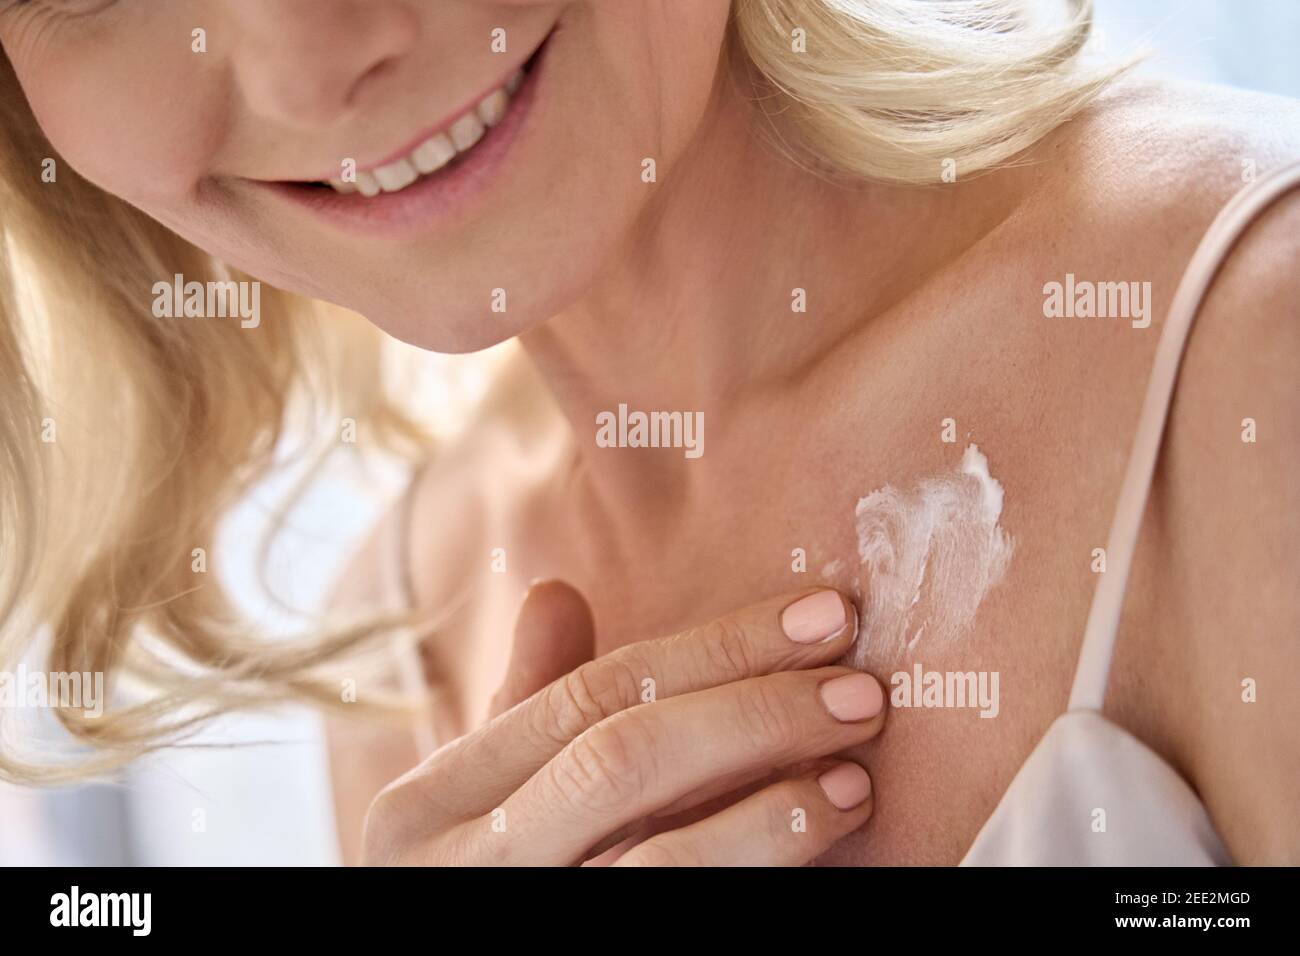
(966, 707)
(872, 486)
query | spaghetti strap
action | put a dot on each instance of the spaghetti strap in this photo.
(1093, 670)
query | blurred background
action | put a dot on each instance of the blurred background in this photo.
(262, 797)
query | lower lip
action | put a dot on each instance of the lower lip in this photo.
(433, 198)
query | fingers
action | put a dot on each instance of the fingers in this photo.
(626, 767)
(787, 824)
(798, 631)
(554, 634)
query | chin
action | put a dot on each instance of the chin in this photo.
(447, 327)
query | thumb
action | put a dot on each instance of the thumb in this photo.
(554, 634)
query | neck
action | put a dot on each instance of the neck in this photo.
(697, 312)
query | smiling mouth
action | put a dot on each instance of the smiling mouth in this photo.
(442, 151)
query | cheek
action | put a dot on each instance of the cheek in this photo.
(626, 89)
(132, 135)
(666, 65)
(622, 90)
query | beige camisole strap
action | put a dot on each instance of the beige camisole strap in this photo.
(1098, 646)
(1090, 793)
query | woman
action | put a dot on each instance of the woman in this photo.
(859, 294)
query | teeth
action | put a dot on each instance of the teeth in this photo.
(433, 154)
(396, 176)
(492, 107)
(438, 150)
(466, 131)
(367, 185)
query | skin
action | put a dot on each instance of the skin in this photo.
(577, 769)
(925, 304)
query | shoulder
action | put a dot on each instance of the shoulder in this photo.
(1145, 170)
(458, 499)
(1127, 191)
(442, 511)
(1183, 153)
(1232, 498)
(1145, 141)
(1136, 182)
(1225, 509)
(478, 492)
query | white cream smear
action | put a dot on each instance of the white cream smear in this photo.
(929, 556)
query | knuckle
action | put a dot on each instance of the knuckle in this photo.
(798, 822)
(770, 715)
(405, 815)
(586, 696)
(784, 803)
(730, 651)
(395, 831)
(602, 767)
(381, 834)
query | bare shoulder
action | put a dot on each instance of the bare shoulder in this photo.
(1127, 190)
(1158, 163)
(425, 543)
(1145, 173)
(1231, 493)
(475, 494)
(1176, 151)
(365, 755)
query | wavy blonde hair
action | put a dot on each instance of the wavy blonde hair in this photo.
(123, 440)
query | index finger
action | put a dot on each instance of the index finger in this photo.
(804, 630)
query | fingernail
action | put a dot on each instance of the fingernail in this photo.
(845, 785)
(853, 697)
(814, 618)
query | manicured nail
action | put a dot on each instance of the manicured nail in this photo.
(853, 697)
(845, 785)
(814, 618)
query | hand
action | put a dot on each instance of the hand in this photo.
(583, 760)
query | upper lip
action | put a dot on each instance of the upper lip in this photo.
(440, 127)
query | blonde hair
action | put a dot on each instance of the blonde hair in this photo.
(900, 91)
(158, 427)
(123, 440)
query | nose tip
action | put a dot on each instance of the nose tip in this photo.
(309, 62)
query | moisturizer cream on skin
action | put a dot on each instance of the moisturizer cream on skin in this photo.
(928, 558)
